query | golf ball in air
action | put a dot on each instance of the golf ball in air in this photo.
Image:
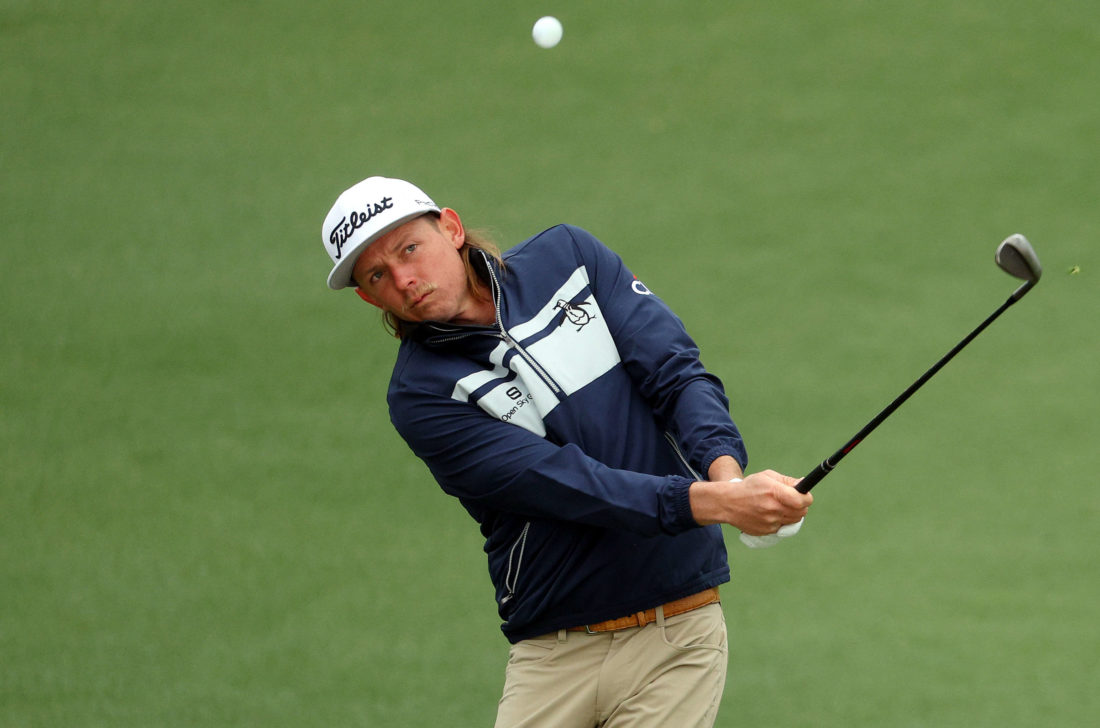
(547, 32)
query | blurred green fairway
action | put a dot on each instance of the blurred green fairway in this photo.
(205, 517)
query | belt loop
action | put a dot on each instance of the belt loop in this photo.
(562, 634)
(661, 616)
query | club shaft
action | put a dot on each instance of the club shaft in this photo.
(825, 467)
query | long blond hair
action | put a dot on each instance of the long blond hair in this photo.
(476, 240)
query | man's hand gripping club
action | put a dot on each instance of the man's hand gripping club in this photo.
(764, 506)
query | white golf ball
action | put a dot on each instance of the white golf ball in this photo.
(547, 32)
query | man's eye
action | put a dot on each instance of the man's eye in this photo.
(411, 247)
(375, 276)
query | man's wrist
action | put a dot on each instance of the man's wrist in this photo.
(706, 502)
(724, 468)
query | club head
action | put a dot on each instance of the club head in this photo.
(1016, 257)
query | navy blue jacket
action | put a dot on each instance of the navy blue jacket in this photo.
(571, 432)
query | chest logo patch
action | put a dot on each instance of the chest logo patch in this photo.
(575, 313)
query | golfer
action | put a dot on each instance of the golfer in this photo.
(565, 406)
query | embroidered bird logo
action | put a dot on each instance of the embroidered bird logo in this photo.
(575, 313)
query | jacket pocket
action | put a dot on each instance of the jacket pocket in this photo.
(515, 564)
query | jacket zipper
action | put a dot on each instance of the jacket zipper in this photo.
(680, 454)
(531, 361)
(512, 343)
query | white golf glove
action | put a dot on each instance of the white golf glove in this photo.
(769, 539)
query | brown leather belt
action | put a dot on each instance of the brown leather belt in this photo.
(641, 619)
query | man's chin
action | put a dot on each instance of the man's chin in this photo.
(419, 314)
(418, 310)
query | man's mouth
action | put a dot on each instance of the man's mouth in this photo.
(417, 298)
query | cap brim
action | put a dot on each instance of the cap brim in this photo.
(340, 276)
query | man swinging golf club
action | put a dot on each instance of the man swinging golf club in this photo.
(565, 406)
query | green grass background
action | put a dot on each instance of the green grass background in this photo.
(205, 518)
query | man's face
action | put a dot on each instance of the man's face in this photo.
(416, 273)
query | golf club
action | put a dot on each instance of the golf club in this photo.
(1016, 257)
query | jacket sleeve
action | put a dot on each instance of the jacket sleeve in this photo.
(662, 359)
(494, 465)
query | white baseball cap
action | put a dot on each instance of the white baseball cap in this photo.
(362, 214)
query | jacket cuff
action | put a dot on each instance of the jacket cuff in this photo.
(736, 451)
(674, 506)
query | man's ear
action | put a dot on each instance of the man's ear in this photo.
(363, 294)
(450, 224)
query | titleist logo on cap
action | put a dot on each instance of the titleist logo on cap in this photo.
(350, 223)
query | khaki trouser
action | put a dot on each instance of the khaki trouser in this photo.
(668, 673)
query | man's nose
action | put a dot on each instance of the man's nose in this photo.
(405, 277)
